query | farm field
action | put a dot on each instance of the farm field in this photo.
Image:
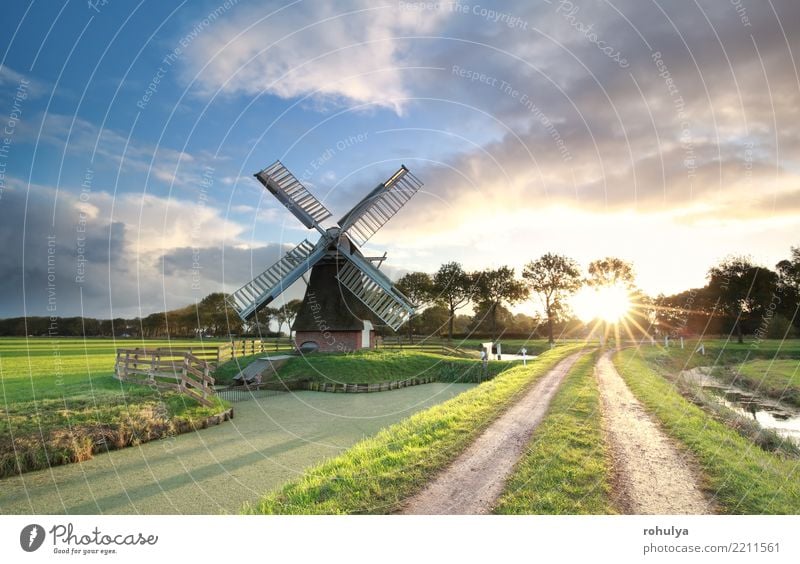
(60, 401)
(44, 368)
(313, 452)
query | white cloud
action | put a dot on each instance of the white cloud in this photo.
(335, 53)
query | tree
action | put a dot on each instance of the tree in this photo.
(217, 316)
(452, 288)
(742, 289)
(417, 287)
(611, 271)
(554, 277)
(789, 286)
(789, 271)
(287, 314)
(495, 287)
(261, 320)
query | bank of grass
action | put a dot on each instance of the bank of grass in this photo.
(567, 467)
(778, 379)
(375, 475)
(742, 478)
(365, 367)
(224, 373)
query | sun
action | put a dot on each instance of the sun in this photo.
(607, 303)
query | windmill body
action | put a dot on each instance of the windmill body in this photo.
(347, 296)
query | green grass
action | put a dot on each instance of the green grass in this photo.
(60, 402)
(375, 475)
(225, 372)
(364, 367)
(567, 467)
(40, 367)
(778, 379)
(743, 478)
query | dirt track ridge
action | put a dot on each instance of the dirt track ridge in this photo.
(474, 481)
(651, 476)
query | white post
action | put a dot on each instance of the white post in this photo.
(666, 341)
(681, 343)
(524, 352)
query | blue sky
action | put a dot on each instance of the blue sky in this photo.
(657, 133)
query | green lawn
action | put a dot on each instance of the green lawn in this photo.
(743, 478)
(383, 365)
(375, 475)
(567, 467)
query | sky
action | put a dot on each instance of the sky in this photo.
(664, 133)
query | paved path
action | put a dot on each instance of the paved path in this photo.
(474, 481)
(218, 469)
(651, 476)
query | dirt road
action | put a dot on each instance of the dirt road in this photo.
(474, 481)
(651, 476)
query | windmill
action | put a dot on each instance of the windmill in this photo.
(346, 294)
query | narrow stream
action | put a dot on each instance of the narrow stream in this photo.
(769, 413)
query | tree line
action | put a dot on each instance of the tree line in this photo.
(740, 297)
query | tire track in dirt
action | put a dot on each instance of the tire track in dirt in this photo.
(651, 476)
(474, 481)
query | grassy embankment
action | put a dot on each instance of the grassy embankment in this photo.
(743, 478)
(375, 475)
(778, 379)
(366, 367)
(567, 467)
(61, 403)
(767, 367)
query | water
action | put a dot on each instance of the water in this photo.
(769, 413)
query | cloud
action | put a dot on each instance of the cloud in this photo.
(110, 148)
(123, 257)
(11, 80)
(343, 53)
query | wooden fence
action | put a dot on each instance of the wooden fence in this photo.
(421, 344)
(167, 369)
(245, 347)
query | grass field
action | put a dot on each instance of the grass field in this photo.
(61, 403)
(375, 475)
(567, 467)
(742, 478)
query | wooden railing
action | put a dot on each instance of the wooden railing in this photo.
(245, 347)
(424, 344)
(167, 369)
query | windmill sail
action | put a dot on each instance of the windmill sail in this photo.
(273, 281)
(291, 193)
(377, 292)
(379, 206)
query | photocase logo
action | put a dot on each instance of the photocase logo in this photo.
(31, 537)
